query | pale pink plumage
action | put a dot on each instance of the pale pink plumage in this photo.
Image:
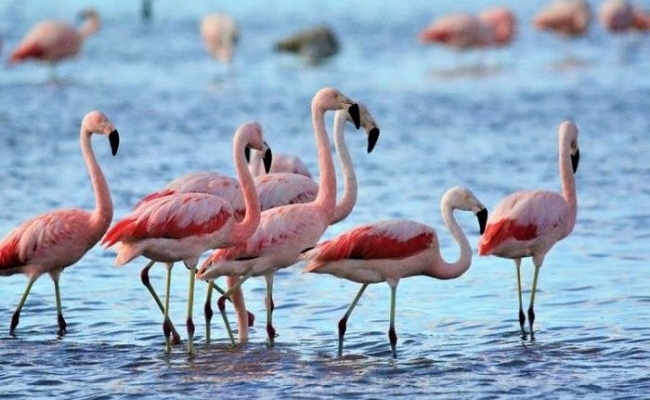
(53, 41)
(390, 250)
(180, 227)
(220, 34)
(53, 241)
(285, 231)
(528, 223)
(281, 163)
(568, 18)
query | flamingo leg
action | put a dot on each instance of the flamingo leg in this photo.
(531, 311)
(522, 316)
(144, 277)
(392, 336)
(343, 322)
(190, 310)
(59, 310)
(270, 331)
(166, 320)
(222, 303)
(207, 311)
(16, 317)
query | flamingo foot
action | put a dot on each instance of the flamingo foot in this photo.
(531, 320)
(167, 330)
(62, 324)
(251, 318)
(14, 323)
(343, 325)
(392, 337)
(270, 331)
(522, 322)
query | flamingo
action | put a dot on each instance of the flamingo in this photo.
(623, 16)
(180, 227)
(387, 251)
(55, 240)
(220, 35)
(281, 163)
(54, 41)
(493, 27)
(569, 18)
(285, 231)
(528, 223)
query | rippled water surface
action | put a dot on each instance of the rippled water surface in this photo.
(443, 122)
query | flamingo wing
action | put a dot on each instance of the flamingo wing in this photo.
(282, 188)
(175, 216)
(394, 239)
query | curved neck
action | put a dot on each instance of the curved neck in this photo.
(326, 197)
(443, 269)
(103, 213)
(345, 204)
(90, 26)
(243, 229)
(567, 178)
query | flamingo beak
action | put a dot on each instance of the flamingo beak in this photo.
(247, 154)
(268, 158)
(482, 217)
(373, 136)
(353, 110)
(114, 139)
(575, 159)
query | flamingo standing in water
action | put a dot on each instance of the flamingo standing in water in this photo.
(387, 251)
(220, 35)
(281, 163)
(569, 18)
(54, 41)
(180, 227)
(285, 231)
(619, 16)
(528, 223)
(53, 241)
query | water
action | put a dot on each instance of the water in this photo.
(442, 124)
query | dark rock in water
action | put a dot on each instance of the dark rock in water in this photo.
(314, 44)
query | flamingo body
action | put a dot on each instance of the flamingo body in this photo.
(623, 16)
(53, 241)
(569, 18)
(388, 251)
(528, 223)
(53, 41)
(220, 34)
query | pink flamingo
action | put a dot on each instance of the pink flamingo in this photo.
(623, 16)
(463, 31)
(220, 34)
(387, 251)
(569, 18)
(180, 227)
(55, 240)
(285, 231)
(53, 41)
(528, 223)
(281, 163)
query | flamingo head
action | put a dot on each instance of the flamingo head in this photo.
(369, 126)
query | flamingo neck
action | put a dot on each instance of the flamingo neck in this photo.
(346, 202)
(326, 197)
(568, 182)
(90, 26)
(444, 269)
(103, 213)
(243, 229)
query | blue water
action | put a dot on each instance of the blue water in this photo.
(443, 122)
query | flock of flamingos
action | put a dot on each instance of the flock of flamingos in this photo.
(273, 213)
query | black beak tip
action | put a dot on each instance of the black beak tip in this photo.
(114, 139)
(268, 159)
(482, 219)
(575, 160)
(353, 110)
(247, 154)
(373, 136)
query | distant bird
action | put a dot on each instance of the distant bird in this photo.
(180, 227)
(285, 231)
(390, 250)
(493, 27)
(315, 45)
(619, 16)
(528, 223)
(53, 241)
(220, 35)
(281, 163)
(54, 41)
(568, 18)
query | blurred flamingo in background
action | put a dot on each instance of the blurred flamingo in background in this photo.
(623, 16)
(569, 18)
(390, 250)
(180, 227)
(285, 231)
(220, 35)
(528, 223)
(54, 41)
(281, 163)
(53, 241)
